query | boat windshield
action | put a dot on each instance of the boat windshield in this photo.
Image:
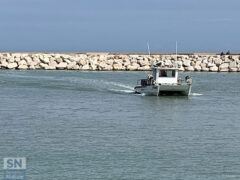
(167, 73)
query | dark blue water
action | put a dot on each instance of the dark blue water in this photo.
(89, 125)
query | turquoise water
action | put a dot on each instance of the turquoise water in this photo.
(89, 125)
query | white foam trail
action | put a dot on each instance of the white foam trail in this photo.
(106, 85)
(125, 91)
(196, 94)
(120, 85)
(142, 94)
(95, 81)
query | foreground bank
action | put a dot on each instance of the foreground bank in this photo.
(118, 62)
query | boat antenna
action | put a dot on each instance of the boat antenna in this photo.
(148, 49)
(176, 52)
(149, 53)
(176, 48)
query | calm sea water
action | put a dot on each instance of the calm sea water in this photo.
(89, 125)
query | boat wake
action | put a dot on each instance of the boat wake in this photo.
(120, 88)
(104, 85)
(196, 94)
(76, 83)
(120, 85)
(122, 91)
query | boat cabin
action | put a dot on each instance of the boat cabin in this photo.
(162, 75)
(164, 81)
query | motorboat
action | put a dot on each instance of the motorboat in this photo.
(164, 80)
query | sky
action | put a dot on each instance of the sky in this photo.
(119, 25)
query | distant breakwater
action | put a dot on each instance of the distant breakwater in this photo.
(118, 62)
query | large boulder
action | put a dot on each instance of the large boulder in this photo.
(61, 66)
(143, 63)
(218, 62)
(85, 67)
(235, 57)
(65, 56)
(43, 65)
(32, 67)
(189, 68)
(72, 59)
(233, 64)
(48, 67)
(82, 62)
(140, 57)
(197, 68)
(33, 63)
(23, 67)
(227, 59)
(67, 61)
(133, 67)
(233, 69)
(224, 70)
(17, 55)
(93, 67)
(126, 62)
(102, 65)
(110, 62)
(22, 62)
(17, 59)
(168, 63)
(59, 60)
(28, 59)
(198, 63)
(102, 57)
(44, 59)
(76, 67)
(179, 63)
(144, 68)
(203, 65)
(117, 66)
(209, 65)
(35, 60)
(186, 63)
(224, 67)
(107, 68)
(12, 65)
(213, 69)
(71, 65)
(4, 64)
(11, 60)
(205, 69)
(52, 63)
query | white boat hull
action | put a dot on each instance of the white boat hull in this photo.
(164, 89)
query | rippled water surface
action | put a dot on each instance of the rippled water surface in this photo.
(90, 125)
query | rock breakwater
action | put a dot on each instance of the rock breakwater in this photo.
(118, 62)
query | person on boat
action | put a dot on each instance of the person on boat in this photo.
(163, 73)
(150, 79)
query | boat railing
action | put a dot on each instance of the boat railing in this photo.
(188, 80)
(144, 82)
(180, 81)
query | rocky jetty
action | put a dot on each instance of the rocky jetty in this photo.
(118, 62)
